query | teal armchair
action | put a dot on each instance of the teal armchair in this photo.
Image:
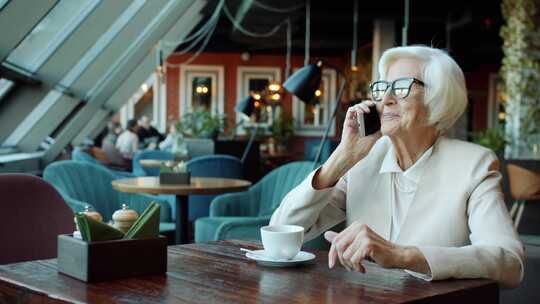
(240, 215)
(79, 155)
(82, 184)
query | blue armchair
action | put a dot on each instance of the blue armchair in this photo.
(210, 166)
(82, 184)
(240, 215)
(79, 155)
(311, 147)
(139, 170)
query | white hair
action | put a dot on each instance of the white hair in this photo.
(445, 91)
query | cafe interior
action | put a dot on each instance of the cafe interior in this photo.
(146, 144)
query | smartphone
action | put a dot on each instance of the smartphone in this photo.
(369, 123)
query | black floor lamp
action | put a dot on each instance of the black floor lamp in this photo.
(303, 84)
(246, 106)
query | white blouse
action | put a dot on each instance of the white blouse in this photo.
(404, 185)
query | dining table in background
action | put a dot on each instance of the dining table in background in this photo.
(198, 186)
(219, 272)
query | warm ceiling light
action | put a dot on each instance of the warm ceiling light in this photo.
(276, 96)
(318, 93)
(201, 89)
(257, 104)
(145, 87)
(257, 96)
(274, 87)
(354, 68)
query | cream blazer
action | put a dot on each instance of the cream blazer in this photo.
(458, 218)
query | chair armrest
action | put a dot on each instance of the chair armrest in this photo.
(122, 174)
(75, 205)
(139, 202)
(234, 204)
(242, 229)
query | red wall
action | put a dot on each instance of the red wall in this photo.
(478, 89)
(230, 62)
(477, 85)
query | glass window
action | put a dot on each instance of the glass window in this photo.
(2, 3)
(49, 33)
(102, 42)
(202, 93)
(5, 86)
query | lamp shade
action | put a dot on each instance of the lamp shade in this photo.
(304, 82)
(246, 106)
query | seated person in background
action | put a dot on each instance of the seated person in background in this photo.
(113, 131)
(411, 198)
(128, 142)
(174, 143)
(148, 135)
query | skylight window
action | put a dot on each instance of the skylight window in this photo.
(2, 3)
(45, 38)
(5, 86)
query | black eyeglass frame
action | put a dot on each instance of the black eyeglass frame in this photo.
(392, 88)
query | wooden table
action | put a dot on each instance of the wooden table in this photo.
(219, 273)
(199, 185)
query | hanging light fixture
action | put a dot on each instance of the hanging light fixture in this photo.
(304, 82)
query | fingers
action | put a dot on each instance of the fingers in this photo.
(343, 241)
(330, 235)
(332, 256)
(357, 259)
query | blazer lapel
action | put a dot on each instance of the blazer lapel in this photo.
(380, 213)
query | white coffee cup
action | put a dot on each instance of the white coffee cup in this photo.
(282, 241)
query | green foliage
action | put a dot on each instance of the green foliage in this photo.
(520, 69)
(492, 138)
(201, 123)
(282, 129)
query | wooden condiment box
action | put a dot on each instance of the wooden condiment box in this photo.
(174, 178)
(109, 260)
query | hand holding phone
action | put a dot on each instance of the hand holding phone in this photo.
(369, 123)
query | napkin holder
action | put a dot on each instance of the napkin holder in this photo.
(175, 178)
(109, 260)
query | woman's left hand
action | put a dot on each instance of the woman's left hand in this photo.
(357, 243)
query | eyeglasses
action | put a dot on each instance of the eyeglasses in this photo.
(401, 88)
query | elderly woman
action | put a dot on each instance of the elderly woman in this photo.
(413, 198)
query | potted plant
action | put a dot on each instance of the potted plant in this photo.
(282, 130)
(492, 138)
(201, 123)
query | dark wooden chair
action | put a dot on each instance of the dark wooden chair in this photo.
(33, 214)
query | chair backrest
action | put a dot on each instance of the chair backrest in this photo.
(311, 147)
(272, 188)
(79, 155)
(199, 147)
(33, 215)
(524, 183)
(85, 182)
(149, 154)
(216, 165)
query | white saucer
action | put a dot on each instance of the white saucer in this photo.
(301, 258)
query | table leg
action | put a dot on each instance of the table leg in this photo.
(182, 222)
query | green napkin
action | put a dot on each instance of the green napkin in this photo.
(147, 225)
(94, 231)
